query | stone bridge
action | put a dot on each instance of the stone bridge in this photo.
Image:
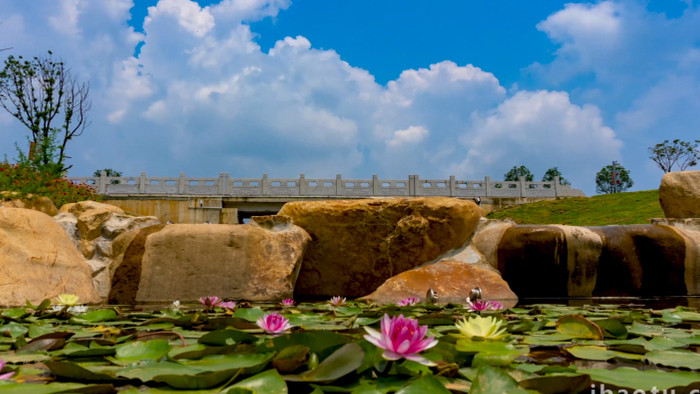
(232, 200)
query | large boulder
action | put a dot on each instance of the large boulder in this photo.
(679, 194)
(39, 261)
(632, 260)
(95, 227)
(642, 260)
(126, 276)
(452, 280)
(358, 244)
(41, 204)
(487, 237)
(257, 262)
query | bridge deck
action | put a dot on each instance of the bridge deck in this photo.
(225, 186)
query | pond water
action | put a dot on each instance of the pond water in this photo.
(632, 302)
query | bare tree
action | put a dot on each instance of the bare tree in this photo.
(45, 97)
(679, 153)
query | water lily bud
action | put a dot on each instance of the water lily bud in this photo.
(313, 361)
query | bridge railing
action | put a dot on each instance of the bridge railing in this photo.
(336, 187)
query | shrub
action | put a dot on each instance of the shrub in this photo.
(27, 180)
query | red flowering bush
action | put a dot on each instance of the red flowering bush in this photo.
(26, 180)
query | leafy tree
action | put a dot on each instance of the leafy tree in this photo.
(613, 178)
(667, 154)
(109, 172)
(516, 172)
(44, 95)
(553, 172)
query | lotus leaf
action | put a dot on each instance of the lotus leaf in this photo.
(577, 326)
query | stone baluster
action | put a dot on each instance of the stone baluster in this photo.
(265, 185)
(302, 185)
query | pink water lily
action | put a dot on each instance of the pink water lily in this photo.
(7, 375)
(401, 337)
(287, 302)
(210, 300)
(274, 323)
(227, 304)
(408, 301)
(482, 305)
(337, 301)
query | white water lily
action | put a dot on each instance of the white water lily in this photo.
(71, 309)
(482, 327)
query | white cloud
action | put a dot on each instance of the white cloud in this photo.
(588, 35)
(410, 136)
(540, 130)
(67, 20)
(639, 67)
(248, 10)
(195, 20)
(202, 97)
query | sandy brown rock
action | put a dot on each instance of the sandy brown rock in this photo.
(533, 260)
(77, 208)
(358, 244)
(690, 232)
(487, 237)
(566, 261)
(38, 260)
(41, 204)
(452, 280)
(679, 194)
(641, 260)
(126, 275)
(256, 262)
(94, 228)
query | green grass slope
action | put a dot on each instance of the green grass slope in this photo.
(606, 209)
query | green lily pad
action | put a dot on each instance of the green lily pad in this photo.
(95, 316)
(424, 384)
(558, 383)
(612, 328)
(490, 380)
(494, 353)
(549, 339)
(25, 358)
(291, 358)
(74, 371)
(317, 341)
(13, 329)
(226, 337)
(147, 370)
(73, 349)
(677, 358)
(646, 380)
(577, 326)
(227, 361)
(14, 313)
(649, 331)
(340, 363)
(249, 314)
(663, 343)
(635, 345)
(600, 353)
(33, 388)
(202, 380)
(140, 350)
(37, 331)
(265, 382)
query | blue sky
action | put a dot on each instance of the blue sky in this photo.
(464, 88)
